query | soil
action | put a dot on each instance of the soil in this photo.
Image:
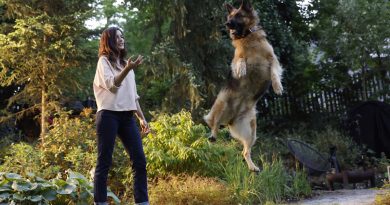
(342, 197)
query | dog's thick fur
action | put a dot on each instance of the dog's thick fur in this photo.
(253, 69)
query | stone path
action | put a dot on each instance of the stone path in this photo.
(343, 197)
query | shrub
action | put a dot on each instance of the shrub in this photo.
(9, 135)
(21, 158)
(347, 150)
(69, 144)
(383, 199)
(176, 145)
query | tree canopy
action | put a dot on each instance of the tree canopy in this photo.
(41, 51)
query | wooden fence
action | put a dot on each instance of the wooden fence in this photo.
(328, 101)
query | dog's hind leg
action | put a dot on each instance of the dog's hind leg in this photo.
(244, 130)
(213, 118)
(249, 144)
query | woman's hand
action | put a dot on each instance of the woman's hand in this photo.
(134, 64)
(144, 127)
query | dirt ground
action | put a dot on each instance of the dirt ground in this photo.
(342, 197)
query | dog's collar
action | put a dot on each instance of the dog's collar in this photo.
(251, 30)
(255, 28)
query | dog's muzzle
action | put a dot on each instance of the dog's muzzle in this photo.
(229, 24)
(234, 28)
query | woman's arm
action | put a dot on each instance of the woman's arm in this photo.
(140, 115)
(129, 66)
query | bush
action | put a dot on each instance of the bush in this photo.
(176, 145)
(9, 135)
(347, 150)
(21, 158)
(69, 144)
(383, 199)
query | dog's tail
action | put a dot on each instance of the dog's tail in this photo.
(276, 75)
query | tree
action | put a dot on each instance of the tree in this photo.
(191, 50)
(353, 36)
(287, 31)
(39, 51)
(188, 55)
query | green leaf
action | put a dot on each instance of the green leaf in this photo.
(45, 185)
(66, 189)
(73, 181)
(84, 195)
(22, 186)
(114, 197)
(18, 197)
(76, 175)
(49, 195)
(34, 186)
(5, 187)
(59, 182)
(35, 198)
(39, 179)
(4, 196)
(12, 176)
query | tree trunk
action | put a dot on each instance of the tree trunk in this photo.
(43, 96)
(43, 114)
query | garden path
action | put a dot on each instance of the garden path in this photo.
(343, 197)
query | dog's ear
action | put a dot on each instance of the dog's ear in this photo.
(229, 7)
(246, 5)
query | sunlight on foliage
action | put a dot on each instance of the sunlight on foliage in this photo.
(177, 145)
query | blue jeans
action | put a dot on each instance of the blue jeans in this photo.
(109, 124)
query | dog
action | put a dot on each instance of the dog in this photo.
(254, 69)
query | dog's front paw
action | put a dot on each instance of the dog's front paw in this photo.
(255, 169)
(277, 86)
(239, 69)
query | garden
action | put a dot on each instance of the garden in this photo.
(335, 56)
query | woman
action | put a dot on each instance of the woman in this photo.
(117, 101)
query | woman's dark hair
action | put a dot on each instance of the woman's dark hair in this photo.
(108, 46)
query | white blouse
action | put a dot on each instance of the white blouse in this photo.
(107, 95)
